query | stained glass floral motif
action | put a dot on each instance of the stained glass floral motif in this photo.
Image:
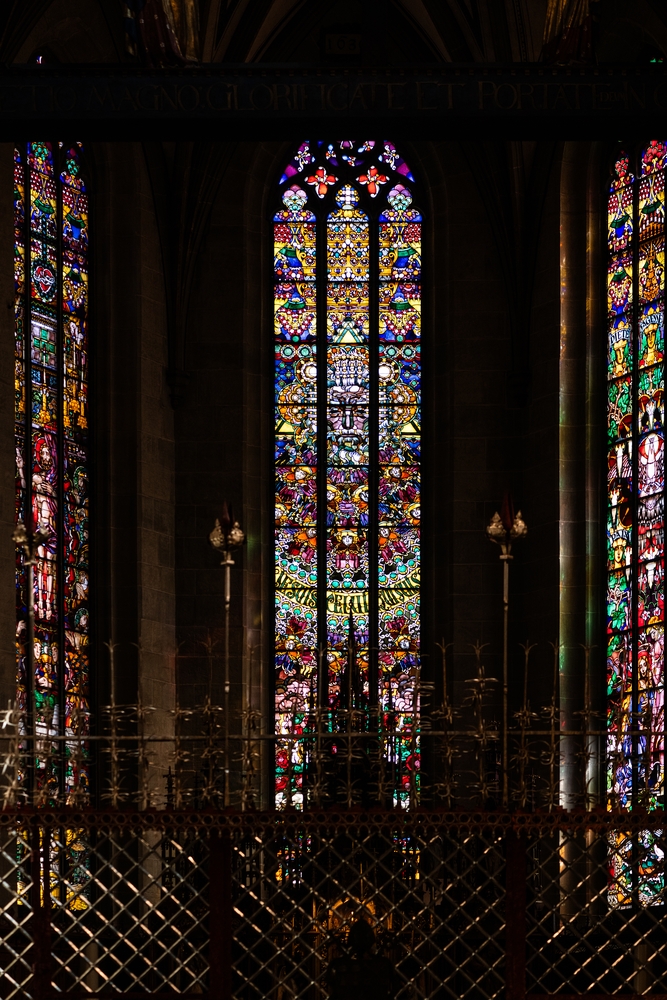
(347, 431)
(51, 421)
(635, 515)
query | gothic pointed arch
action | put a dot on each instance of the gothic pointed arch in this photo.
(347, 283)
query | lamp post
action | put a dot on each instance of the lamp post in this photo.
(503, 529)
(30, 540)
(226, 535)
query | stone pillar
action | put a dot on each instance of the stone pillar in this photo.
(572, 461)
(133, 509)
(7, 453)
(595, 449)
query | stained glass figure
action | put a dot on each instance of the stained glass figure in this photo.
(347, 278)
(51, 421)
(635, 513)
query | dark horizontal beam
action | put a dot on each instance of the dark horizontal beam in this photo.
(523, 96)
(539, 822)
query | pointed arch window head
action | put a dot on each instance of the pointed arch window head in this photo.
(51, 427)
(347, 282)
(635, 511)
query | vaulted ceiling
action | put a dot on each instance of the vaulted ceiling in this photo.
(381, 32)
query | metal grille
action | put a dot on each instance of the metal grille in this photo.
(139, 922)
(579, 937)
(16, 928)
(254, 905)
(436, 904)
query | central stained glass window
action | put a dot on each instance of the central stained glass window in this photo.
(347, 284)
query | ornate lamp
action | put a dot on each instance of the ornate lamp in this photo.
(504, 529)
(226, 535)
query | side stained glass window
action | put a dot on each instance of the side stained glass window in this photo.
(347, 282)
(635, 513)
(51, 387)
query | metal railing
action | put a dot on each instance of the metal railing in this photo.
(431, 751)
(254, 905)
(123, 871)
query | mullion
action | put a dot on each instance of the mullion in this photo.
(60, 402)
(662, 375)
(30, 682)
(635, 490)
(373, 462)
(346, 178)
(634, 643)
(322, 454)
(657, 368)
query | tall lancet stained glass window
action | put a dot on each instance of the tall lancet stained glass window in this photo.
(635, 511)
(347, 270)
(51, 382)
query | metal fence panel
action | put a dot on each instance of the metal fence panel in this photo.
(259, 905)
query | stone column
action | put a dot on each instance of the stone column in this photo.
(572, 460)
(7, 454)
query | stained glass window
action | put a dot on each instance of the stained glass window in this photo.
(51, 384)
(635, 512)
(347, 282)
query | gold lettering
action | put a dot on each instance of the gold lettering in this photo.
(486, 89)
(581, 91)
(330, 103)
(283, 97)
(129, 96)
(450, 93)
(170, 99)
(358, 95)
(237, 105)
(103, 97)
(65, 99)
(226, 97)
(603, 96)
(513, 94)
(261, 87)
(282, 91)
(188, 89)
(525, 92)
(420, 97)
(390, 97)
(302, 97)
(561, 96)
(152, 92)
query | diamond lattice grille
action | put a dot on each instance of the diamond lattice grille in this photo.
(436, 904)
(256, 905)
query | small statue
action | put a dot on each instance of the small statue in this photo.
(365, 975)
